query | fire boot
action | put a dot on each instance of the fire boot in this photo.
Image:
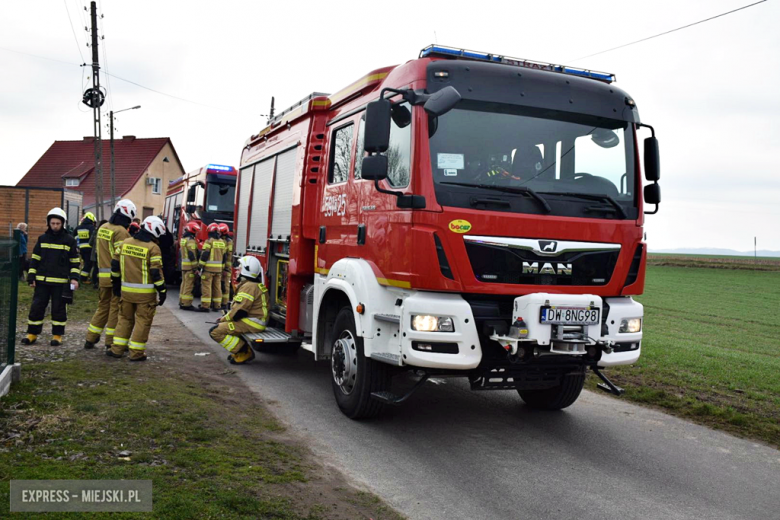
(89, 345)
(242, 357)
(29, 340)
(137, 355)
(56, 340)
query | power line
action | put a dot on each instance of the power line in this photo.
(74, 30)
(170, 95)
(667, 32)
(131, 82)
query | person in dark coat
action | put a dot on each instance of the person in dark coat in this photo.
(22, 228)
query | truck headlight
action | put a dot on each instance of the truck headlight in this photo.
(427, 323)
(630, 325)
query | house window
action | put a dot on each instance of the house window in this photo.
(71, 182)
(156, 183)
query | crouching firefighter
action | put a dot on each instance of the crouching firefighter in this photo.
(249, 312)
(54, 269)
(84, 233)
(138, 262)
(108, 236)
(189, 264)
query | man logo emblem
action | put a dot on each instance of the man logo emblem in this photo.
(548, 246)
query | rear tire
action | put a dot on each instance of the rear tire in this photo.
(558, 397)
(353, 376)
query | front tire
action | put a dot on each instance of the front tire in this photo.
(354, 376)
(558, 397)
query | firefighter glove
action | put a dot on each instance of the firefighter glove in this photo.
(116, 284)
(163, 295)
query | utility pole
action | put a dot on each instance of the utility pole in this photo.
(97, 102)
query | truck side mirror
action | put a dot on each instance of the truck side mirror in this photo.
(191, 193)
(442, 101)
(652, 160)
(374, 167)
(377, 129)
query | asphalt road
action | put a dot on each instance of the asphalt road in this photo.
(450, 453)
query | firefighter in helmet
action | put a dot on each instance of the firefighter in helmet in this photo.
(136, 270)
(211, 265)
(108, 235)
(84, 233)
(249, 312)
(188, 248)
(227, 286)
(54, 269)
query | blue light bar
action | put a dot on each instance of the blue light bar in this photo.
(219, 167)
(451, 52)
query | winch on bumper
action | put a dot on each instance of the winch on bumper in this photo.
(608, 331)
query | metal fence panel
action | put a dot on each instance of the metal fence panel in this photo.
(9, 290)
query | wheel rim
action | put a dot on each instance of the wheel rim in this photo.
(344, 362)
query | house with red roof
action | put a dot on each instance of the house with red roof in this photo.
(143, 169)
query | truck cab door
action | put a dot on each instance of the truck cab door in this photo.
(339, 211)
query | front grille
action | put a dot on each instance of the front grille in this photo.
(497, 264)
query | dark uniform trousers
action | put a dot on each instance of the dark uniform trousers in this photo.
(59, 311)
(86, 266)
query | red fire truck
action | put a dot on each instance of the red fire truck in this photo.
(463, 214)
(204, 195)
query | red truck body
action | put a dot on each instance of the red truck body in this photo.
(329, 239)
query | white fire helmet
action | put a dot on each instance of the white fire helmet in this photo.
(250, 267)
(58, 213)
(154, 225)
(126, 208)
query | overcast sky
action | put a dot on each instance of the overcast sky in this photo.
(711, 91)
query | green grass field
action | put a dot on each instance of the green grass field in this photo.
(711, 348)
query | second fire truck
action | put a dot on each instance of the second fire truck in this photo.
(204, 195)
(463, 214)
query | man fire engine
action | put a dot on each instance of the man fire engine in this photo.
(212, 264)
(227, 285)
(136, 270)
(463, 214)
(108, 235)
(84, 233)
(248, 314)
(188, 248)
(54, 273)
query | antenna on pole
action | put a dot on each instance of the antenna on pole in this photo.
(271, 113)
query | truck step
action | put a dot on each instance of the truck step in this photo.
(386, 357)
(269, 335)
(390, 398)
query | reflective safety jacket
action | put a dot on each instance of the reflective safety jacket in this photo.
(55, 259)
(188, 247)
(139, 264)
(250, 305)
(84, 233)
(212, 258)
(228, 254)
(107, 237)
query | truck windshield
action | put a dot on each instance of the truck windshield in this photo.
(220, 197)
(583, 166)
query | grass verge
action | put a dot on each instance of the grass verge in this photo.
(189, 425)
(711, 349)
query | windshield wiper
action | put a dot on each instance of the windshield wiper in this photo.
(588, 196)
(524, 190)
